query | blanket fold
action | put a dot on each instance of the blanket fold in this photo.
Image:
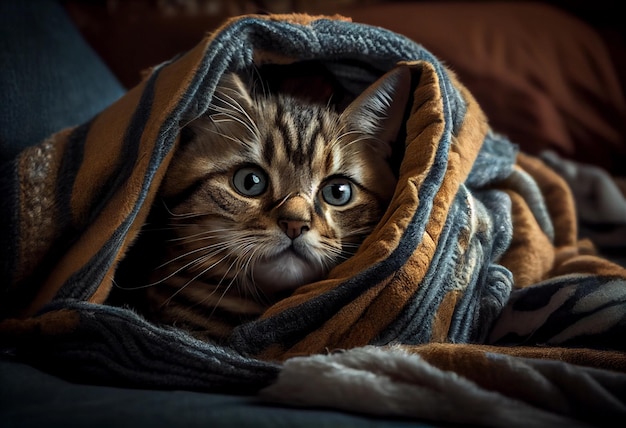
(477, 252)
(496, 390)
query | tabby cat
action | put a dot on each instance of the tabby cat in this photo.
(268, 193)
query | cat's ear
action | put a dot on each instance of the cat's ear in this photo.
(231, 94)
(379, 110)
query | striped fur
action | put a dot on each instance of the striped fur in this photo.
(232, 254)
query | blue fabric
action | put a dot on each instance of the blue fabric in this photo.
(50, 78)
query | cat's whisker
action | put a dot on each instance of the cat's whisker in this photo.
(219, 300)
(345, 134)
(181, 215)
(171, 274)
(337, 255)
(220, 246)
(235, 263)
(225, 275)
(182, 268)
(248, 270)
(350, 244)
(284, 199)
(246, 251)
(255, 80)
(229, 137)
(200, 236)
(182, 226)
(189, 253)
(130, 288)
(206, 270)
(192, 280)
(339, 252)
(348, 135)
(354, 141)
(190, 215)
(250, 124)
(217, 120)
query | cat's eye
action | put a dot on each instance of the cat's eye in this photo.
(250, 181)
(337, 192)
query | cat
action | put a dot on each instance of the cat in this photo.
(268, 192)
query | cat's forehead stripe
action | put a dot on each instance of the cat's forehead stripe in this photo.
(268, 149)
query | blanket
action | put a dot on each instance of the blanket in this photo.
(472, 300)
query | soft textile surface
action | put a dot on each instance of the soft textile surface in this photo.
(545, 78)
(476, 256)
(600, 203)
(393, 381)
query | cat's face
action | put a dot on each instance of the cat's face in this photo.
(269, 194)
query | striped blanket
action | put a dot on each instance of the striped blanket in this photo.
(472, 301)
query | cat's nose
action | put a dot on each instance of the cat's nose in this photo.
(293, 228)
